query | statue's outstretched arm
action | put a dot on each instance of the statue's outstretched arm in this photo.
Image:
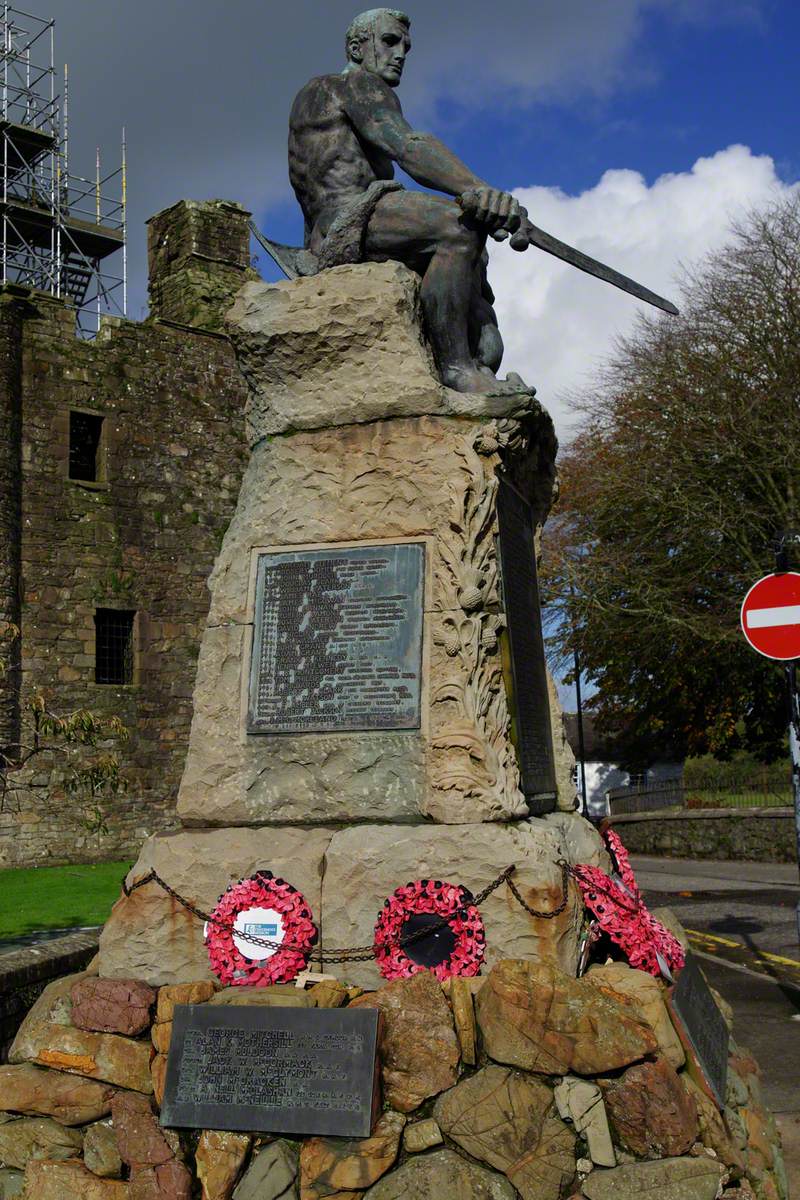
(377, 117)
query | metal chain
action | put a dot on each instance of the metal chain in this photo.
(344, 954)
(535, 912)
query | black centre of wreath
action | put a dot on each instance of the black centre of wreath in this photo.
(432, 948)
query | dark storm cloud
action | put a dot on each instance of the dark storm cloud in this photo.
(204, 88)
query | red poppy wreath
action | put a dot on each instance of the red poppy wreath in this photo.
(454, 946)
(269, 909)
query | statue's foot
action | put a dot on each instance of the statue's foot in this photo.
(480, 379)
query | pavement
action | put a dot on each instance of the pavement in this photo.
(740, 918)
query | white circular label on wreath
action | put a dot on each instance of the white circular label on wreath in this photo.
(260, 923)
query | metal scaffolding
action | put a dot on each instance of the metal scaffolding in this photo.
(57, 229)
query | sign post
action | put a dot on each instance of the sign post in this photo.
(770, 619)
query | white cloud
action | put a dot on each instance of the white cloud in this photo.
(559, 324)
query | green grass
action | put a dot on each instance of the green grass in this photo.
(34, 898)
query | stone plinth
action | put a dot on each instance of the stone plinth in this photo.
(346, 875)
(370, 459)
(343, 348)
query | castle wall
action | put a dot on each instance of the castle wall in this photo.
(141, 538)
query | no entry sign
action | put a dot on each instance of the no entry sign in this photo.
(771, 616)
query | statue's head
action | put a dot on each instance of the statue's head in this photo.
(378, 41)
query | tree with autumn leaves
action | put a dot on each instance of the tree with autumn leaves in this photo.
(684, 470)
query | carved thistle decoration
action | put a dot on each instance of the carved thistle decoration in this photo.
(474, 763)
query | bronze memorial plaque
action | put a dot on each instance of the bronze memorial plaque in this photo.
(301, 1071)
(530, 701)
(338, 639)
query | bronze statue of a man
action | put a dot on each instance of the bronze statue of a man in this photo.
(346, 132)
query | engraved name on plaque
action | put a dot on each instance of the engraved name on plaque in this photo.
(338, 639)
(274, 1070)
(530, 701)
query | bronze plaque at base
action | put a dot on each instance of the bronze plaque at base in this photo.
(702, 1030)
(530, 702)
(338, 639)
(300, 1071)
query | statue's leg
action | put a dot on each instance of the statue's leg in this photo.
(486, 344)
(428, 234)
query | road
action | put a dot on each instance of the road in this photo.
(740, 918)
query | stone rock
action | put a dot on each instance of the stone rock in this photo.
(650, 1111)
(668, 1179)
(505, 1119)
(342, 347)
(276, 995)
(496, 1115)
(580, 840)
(534, 1016)
(23, 1138)
(219, 1159)
(271, 1175)
(745, 1067)
(329, 1166)
(419, 1047)
(100, 1150)
(112, 1005)
(544, 1172)
(329, 993)
(443, 1174)
(151, 937)
(69, 1181)
(713, 1130)
(12, 1183)
(169, 1181)
(182, 993)
(48, 1038)
(581, 1102)
(421, 1135)
(158, 1074)
(364, 865)
(647, 996)
(140, 1141)
(67, 1098)
(464, 1017)
(160, 1036)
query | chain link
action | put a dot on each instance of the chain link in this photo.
(345, 954)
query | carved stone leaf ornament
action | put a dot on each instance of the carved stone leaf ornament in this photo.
(474, 759)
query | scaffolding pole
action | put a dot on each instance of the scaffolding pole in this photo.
(58, 229)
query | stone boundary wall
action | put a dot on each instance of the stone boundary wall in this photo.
(752, 834)
(24, 974)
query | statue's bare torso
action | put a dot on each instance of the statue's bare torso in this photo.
(329, 162)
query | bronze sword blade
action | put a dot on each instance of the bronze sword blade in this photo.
(545, 241)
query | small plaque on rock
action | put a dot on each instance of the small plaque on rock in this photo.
(300, 1071)
(338, 639)
(702, 1030)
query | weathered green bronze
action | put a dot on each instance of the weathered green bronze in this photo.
(346, 133)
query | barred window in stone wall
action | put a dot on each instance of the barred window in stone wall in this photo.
(113, 645)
